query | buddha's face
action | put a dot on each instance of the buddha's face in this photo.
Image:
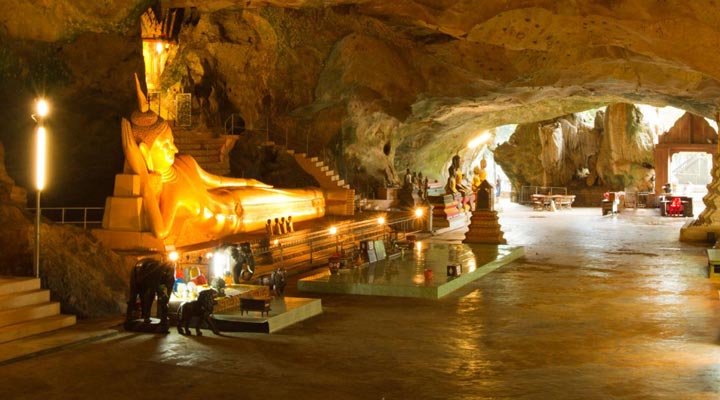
(162, 153)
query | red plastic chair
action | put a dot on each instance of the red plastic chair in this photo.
(675, 208)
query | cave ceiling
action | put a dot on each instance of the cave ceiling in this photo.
(424, 75)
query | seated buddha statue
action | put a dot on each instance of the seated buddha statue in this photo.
(178, 196)
(459, 183)
(479, 175)
(450, 187)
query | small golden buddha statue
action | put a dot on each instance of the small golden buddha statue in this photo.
(179, 196)
(479, 175)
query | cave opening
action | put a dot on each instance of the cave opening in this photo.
(586, 153)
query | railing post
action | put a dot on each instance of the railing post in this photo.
(85, 218)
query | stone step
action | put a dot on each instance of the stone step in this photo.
(18, 284)
(22, 299)
(314, 159)
(290, 151)
(34, 327)
(27, 313)
(324, 168)
(329, 173)
(341, 182)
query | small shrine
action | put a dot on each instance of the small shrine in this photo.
(484, 224)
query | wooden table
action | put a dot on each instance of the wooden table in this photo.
(548, 201)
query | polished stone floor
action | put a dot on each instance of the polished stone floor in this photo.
(600, 308)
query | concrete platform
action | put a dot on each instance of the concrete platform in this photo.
(404, 276)
(284, 311)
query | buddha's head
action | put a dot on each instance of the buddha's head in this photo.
(153, 135)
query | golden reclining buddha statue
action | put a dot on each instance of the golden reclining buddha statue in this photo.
(180, 203)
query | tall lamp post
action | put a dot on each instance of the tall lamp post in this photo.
(41, 111)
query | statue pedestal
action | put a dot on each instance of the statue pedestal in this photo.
(448, 211)
(408, 196)
(134, 241)
(484, 228)
(484, 225)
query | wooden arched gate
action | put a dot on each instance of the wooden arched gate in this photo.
(690, 133)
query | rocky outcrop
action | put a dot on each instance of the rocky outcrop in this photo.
(9, 193)
(616, 153)
(626, 154)
(81, 56)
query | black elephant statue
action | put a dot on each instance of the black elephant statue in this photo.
(201, 309)
(244, 267)
(278, 281)
(150, 278)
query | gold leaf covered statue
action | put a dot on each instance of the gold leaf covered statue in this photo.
(180, 198)
(479, 175)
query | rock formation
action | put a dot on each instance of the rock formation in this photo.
(616, 153)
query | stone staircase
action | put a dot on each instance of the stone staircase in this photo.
(340, 199)
(26, 310)
(210, 150)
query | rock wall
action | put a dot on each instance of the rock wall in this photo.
(81, 56)
(616, 153)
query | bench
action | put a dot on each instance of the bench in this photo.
(261, 304)
(564, 201)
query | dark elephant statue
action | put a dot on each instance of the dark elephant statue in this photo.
(150, 278)
(200, 309)
(244, 267)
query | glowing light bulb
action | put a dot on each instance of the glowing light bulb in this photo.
(42, 108)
